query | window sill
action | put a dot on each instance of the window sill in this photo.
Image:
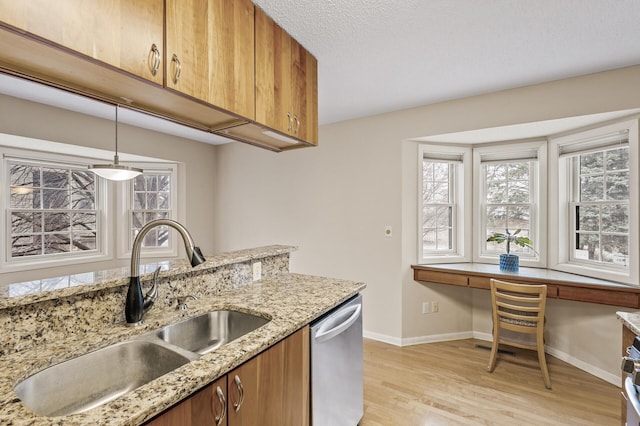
(560, 285)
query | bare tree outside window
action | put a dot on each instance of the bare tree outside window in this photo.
(52, 209)
(437, 205)
(151, 200)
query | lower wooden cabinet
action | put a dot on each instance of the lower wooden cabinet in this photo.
(270, 389)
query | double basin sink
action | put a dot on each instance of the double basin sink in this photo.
(98, 377)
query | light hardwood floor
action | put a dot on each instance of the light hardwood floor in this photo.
(448, 384)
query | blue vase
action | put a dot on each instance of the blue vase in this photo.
(509, 262)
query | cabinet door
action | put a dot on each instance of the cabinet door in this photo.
(272, 389)
(209, 52)
(118, 32)
(203, 408)
(304, 88)
(273, 74)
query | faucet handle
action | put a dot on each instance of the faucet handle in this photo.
(181, 302)
(151, 297)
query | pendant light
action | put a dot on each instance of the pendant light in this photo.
(115, 171)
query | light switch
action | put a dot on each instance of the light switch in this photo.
(388, 231)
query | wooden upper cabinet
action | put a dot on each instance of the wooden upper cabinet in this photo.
(286, 82)
(209, 52)
(126, 34)
(304, 85)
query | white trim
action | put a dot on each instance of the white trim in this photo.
(382, 338)
(462, 200)
(41, 158)
(559, 229)
(124, 213)
(584, 366)
(538, 218)
(108, 201)
(435, 338)
(487, 337)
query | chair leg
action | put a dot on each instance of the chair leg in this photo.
(543, 364)
(494, 352)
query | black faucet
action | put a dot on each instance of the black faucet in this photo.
(137, 305)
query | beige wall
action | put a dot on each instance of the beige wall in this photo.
(334, 201)
(34, 120)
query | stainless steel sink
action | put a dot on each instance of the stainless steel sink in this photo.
(96, 378)
(207, 332)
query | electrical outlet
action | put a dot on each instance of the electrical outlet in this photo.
(257, 271)
(426, 308)
(435, 307)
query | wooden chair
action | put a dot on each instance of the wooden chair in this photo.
(519, 308)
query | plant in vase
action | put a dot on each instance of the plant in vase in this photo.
(510, 262)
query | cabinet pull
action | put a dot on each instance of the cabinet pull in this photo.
(297, 124)
(290, 121)
(154, 59)
(176, 74)
(237, 405)
(223, 407)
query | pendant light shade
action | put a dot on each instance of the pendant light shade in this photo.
(115, 171)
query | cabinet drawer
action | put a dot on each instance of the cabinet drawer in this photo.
(441, 277)
(552, 291)
(480, 282)
(603, 297)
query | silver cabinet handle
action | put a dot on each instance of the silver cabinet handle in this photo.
(237, 405)
(154, 59)
(176, 74)
(290, 121)
(297, 124)
(223, 407)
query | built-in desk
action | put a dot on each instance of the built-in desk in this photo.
(560, 285)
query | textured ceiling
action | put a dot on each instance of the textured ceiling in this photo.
(377, 56)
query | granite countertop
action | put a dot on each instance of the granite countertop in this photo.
(631, 320)
(290, 300)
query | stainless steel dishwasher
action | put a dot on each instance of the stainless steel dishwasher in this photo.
(336, 366)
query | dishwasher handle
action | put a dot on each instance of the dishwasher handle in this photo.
(329, 329)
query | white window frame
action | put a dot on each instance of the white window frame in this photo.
(103, 247)
(462, 200)
(505, 152)
(125, 208)
(560, 228)
(113, 224)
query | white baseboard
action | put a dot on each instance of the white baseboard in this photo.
(614, 379)
(434, 338)
(382, 338)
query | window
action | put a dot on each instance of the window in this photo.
(56, 212)
(52, 209)
(600, 207)
(152, 195)
(444, 172)
(596, 203)
(507, 181)
(151, 200)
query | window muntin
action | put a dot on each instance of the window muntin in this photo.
(438, 206)
(151, 199)
(600, 207)
(444, 180)
(508, 202)
(52, 210)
